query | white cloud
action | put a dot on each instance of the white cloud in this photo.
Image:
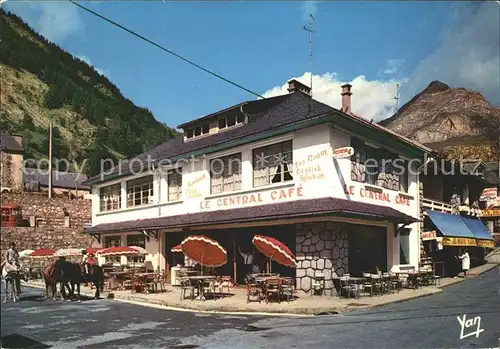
(371, 99)
(103, 72)
(393, 66)
(56, 20)
(468, 55)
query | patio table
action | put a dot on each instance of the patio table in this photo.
(200, 279)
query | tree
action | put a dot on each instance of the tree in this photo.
(76, 101)
(52, 98)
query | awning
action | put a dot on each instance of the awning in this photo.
(450, 224)
(454, 230)
(483, 236)
(292, 209)
(461, 231)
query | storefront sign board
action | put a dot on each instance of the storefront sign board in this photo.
(489, 194)
(447, 241)
(345, 152)
(429, 235)
(252, 199)
(378, 195)
(492, 212)
(486, 243)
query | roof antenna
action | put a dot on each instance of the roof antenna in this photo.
(397, 100)
(310, 30)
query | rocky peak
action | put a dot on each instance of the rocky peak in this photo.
(441, 113)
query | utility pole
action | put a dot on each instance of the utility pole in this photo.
(310, 30)
(50, 158)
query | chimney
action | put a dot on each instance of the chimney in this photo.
(18, 138)
(295, 86)
(346, 98)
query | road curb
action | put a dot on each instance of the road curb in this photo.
(300, 312)
(471, 276)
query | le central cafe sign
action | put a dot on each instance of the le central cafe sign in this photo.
(377, 195)
(278, 195)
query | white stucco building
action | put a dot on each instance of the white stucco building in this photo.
(283, 181)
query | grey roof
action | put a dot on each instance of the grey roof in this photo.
(264, 114)
(284, 210)
(8, 142)
(66, 180)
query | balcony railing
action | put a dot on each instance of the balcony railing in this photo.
(439, 206)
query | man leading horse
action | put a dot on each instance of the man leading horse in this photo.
(11, 272)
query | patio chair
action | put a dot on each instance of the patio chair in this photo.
(287, 288)
(318, 284)
(367, 284)
(187, 285)
(208, 287)
(349, 287)
(272, 287)
(161, 280)
(225, 282)
(253, 290)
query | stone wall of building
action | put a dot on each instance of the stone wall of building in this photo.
(52, 229)
(321, 247)
(50, 212)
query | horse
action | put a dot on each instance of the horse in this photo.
(53, 274)
(72, 274)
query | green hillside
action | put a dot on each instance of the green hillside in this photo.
(92, 119)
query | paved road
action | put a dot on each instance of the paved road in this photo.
(421, 323)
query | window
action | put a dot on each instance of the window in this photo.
(231, 120)
(376, 166)
(273, 164)
(112, 241)
(225, 174)
(404, 246)
(174, 180)
(189, 133)
(140, 191)
(136, 240)
(205, 129)
(110, 197)
(198, 131)
(496, 225)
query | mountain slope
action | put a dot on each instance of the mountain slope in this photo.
(455, 121)
(92, 120)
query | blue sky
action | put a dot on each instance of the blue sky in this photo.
(261, 45)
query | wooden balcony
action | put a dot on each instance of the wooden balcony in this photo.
(438, 206)
(444, 207)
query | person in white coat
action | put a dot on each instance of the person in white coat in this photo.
(465, 262)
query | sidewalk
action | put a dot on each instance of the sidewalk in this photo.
(305, 305)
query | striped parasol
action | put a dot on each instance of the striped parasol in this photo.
(204, 250)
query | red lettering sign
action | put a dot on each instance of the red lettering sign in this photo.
(254, 198)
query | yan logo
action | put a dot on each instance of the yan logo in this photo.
(469, 325)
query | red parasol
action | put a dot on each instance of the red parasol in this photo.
(177, 249)
(93, 250)
(275, 250)
(119, 251)
(204, 250)
(43, 252)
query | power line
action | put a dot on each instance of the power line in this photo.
(165, 49)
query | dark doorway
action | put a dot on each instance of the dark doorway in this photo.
(233, 238)
(367, 249)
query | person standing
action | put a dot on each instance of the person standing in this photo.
(465, 262)
(12, 262)
(247, 261)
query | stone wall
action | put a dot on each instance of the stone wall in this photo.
(50, 211)
(50, 231)
(36, 238)
(321, 247)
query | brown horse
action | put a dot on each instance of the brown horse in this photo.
(52, 275)
(72, 274)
